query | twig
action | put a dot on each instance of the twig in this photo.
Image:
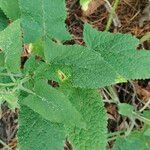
(145, 106)
(5, 145)
(112, 13)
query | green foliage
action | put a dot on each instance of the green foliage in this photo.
(126, 109)
(52, 105)
(137, 140)
(119, 51)
(84, 4)
(38, 134)
(40, 18)
(11, 46)
(57, 85)
(88, 67)
(3, 21)
(10, 97)
(90, 105)
(10, 8)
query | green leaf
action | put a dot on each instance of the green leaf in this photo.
(36, 133)
(40, 18)
(37, 48)
(126, 109)
(2, 59)
(137, 140)
(31, 65)
(146, 114)
(10, 8)
(3, 21)
(90, 105)
(53, 105)
(119, 50)
(11, 98)
(84, 4)
(89, 69)
(11, 45)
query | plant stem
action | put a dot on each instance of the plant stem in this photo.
(130, 128)
(14, 75)
(145, 120)
(113, 94)
(110, 19)
(145, 37)
(115, 133)
(5, 145)
(7, 84)
(145, 106)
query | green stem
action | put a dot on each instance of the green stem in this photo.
(130, 128)
(145, 120)
(27, 90)
(14, 75)
(7, 84)
(113, 94)
(5, 145)
(110, 19)
(145, 37)
(115, 133)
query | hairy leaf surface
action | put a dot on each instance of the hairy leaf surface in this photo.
(11, 45)
(89, 68)
(36, 133)
(40, 18)
(90, 105)
(10, 8)
(137, 140)
(120, 52)
(53, 105)
(3, 20)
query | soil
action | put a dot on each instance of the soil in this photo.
(136, 93)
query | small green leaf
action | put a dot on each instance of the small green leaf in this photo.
(53, 105)
(11, 46)
(126, 109)
(37, 48)
(146, 114)
(136, 141)
(11, 98)
(84, 4)
(31, 65)
(147, 132)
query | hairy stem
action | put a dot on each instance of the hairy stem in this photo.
(110, 19)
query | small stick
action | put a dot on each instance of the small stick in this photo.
(112, 13)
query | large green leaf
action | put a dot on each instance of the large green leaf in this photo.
(53, 105)
(10, 8)
(107, 59)
(119, 50)
(43, 17)
(90, 70)
(90, 105)
(11, 45)
(36, 133)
